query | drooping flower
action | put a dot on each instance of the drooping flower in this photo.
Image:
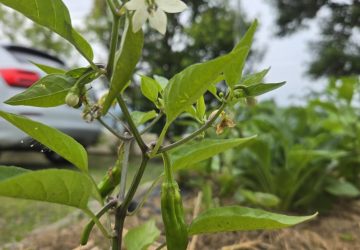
(154, 10)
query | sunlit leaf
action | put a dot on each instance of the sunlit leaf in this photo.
(233, 72)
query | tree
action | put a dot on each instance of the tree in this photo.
(336, 52)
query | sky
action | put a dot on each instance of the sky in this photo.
(287, 56)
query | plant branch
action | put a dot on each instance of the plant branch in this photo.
(121, 211)
(97, 222)
(88, 228)
(196, 133)
(125, 166)
(131, 124)
(148, 192)
(152, 123)
(112, 7)
(113, 131)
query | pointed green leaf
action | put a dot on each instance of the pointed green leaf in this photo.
(236, 218)
(52, 138)
(162, 81)
(262, 88)
(48, 69)
(186, 87)
(200, 108)
(141, 237)
(187, 155)
(254, 79)
(140, 118)
(50, 91)
(10, 171)
(54, 15)
(52, 185)
(125, 62)
(233, 72)
(150, 88)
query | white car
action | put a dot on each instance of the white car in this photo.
(16, 74)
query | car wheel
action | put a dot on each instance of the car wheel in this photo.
(54, 157)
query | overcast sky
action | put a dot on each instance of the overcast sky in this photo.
(287, 57)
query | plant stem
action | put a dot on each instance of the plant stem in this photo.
(196, 133)
(121, 211)
(152, 123)
(90, 225)
(131, 124)
(97, 222)
(125, 166)
(112, 6)
(113, 44)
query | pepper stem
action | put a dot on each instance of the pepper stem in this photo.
(167, 167)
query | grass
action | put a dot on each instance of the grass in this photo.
(19, 217)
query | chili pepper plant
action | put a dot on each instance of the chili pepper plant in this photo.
(183, 93)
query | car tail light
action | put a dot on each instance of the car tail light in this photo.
(19, 77)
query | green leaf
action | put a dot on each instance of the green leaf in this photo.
(125, 62)
(188, 155)
(10, 171)
(262, 88)
(255, 78)
(140, 118)
(78, 72)
(342, 188)
(50, 91)
(162, 81)
(200, 108)
(236, 218)
(54, 15)
(233, 72)
(52, 185)
(141, 237)
(48, 69)
(52, 138)
(186, 87)
(259, 198)
(150, 88)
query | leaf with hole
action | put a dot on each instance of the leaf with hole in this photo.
(52, 138)
(236, 218)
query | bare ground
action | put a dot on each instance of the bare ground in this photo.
(338, 230)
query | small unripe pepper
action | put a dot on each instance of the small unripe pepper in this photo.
(172, 211)
(109, 182)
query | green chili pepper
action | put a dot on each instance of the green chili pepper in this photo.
(172, 211)
(112, 178)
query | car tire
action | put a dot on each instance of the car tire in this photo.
(55, 158)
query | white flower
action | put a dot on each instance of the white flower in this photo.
(154, 10)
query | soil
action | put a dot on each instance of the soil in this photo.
(339, 230)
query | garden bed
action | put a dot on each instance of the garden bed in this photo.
(337, 230)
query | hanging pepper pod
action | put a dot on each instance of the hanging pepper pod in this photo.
(112, 178)
(172, 211)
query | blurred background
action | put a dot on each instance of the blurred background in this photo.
(307, 155)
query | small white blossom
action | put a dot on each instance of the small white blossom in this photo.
(154, 10)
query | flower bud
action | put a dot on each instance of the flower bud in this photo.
(72, 99)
